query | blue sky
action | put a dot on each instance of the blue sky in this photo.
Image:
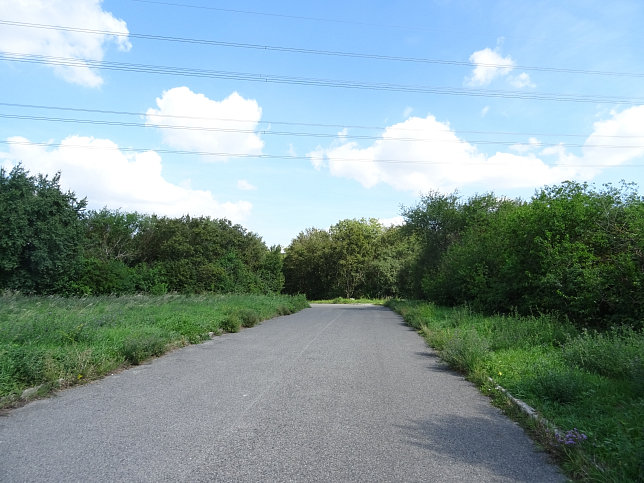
(286, 115)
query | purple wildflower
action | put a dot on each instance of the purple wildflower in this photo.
(572, 437)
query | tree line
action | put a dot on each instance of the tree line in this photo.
(51, 244)
(571, 250)
(354, 258)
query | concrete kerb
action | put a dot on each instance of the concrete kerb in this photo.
(526, 409)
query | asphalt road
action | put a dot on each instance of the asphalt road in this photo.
(332, 393)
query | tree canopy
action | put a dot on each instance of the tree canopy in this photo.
(40, 232)
(51, 244)
(354, 258)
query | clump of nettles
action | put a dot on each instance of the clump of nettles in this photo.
(572, 437)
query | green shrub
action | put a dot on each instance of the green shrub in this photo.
(249, 318)
(284, 310)
(231, 323)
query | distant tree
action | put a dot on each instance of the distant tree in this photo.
(389, 271)
(41, 233)
(354, 245)
(308, 265)
(436, 222)
(354, 258)
(271, 270)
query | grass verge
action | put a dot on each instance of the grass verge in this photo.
(51, 342)
(589, 385)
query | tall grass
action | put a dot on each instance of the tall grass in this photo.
(50, 342)
(588, 384)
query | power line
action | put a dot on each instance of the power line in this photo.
(308, 81)
(360, 55)
(278, 15)
(307, 134)
(287, 123)
(285, 156)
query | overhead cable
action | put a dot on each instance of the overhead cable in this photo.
(308, 81)
(310, 134)
(275, 48)
(306, 124)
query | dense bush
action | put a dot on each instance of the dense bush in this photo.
(572, 251)
(40, 233)
(49, 244)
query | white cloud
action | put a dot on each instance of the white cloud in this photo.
(522, 80)
(407, 112)
(613, 142)
(317, 158)
(490, 64)
(624, 129)
(99, 170)
(394, 221)
(443, 161)
(484, 111)
(85, 14)
(192, 121)
(244, 185)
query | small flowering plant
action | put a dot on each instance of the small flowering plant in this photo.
(572, 437)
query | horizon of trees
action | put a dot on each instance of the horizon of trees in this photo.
(51, 244)
(571, 250)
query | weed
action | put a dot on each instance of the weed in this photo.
(141, 346)
(562, 386)
(249, 318)
(231, 323)
(618, 353)
(465, 350)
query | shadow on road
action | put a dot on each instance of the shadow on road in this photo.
(481, 443)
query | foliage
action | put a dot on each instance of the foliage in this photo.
(50, 245)
(354, 258)
(40, 233)
(579, 379)
(56, 341)
(204, 255)
(308, 264)
(110, 235)
(572, 250)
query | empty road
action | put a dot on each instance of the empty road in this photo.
(332, 393)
